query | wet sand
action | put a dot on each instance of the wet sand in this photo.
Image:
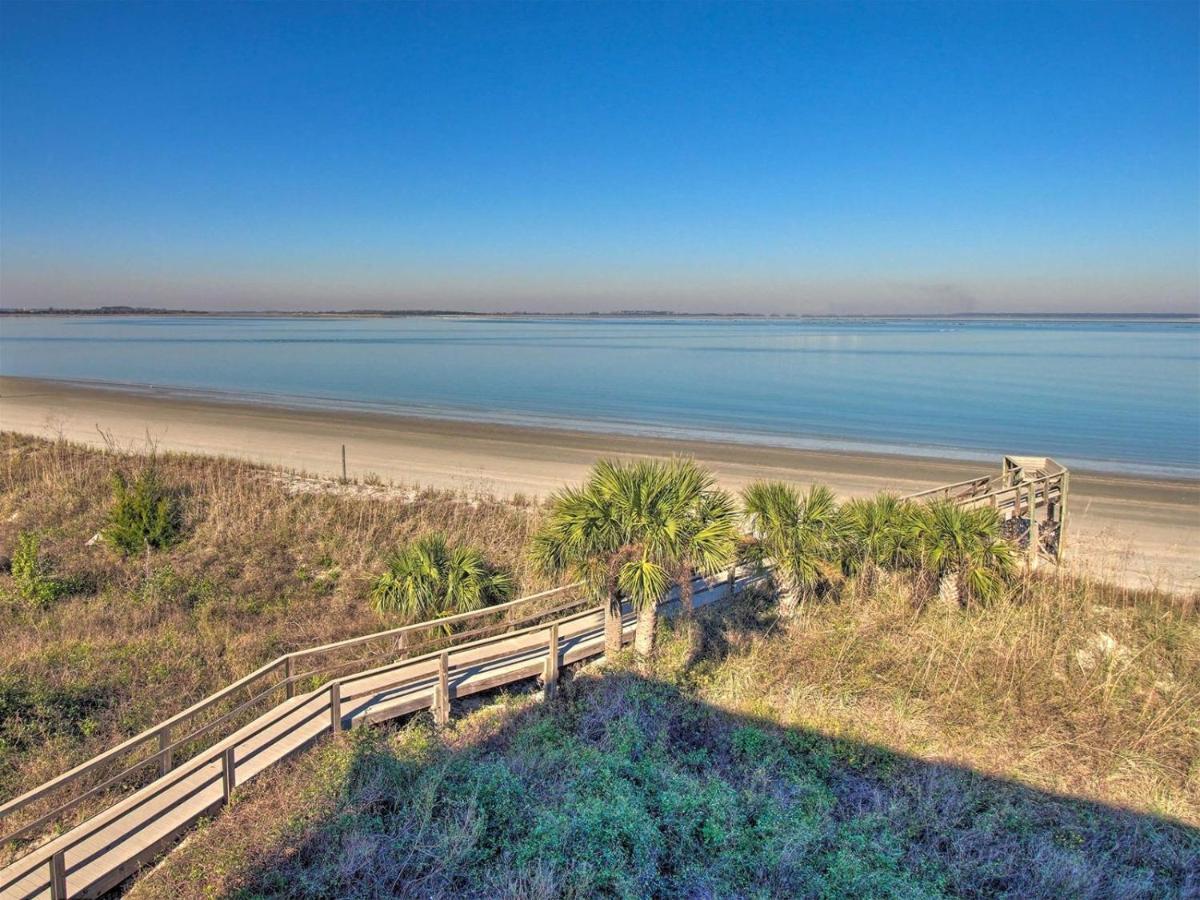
(1137, 530)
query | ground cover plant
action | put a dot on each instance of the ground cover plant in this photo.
(961, 739)
(246, 563)
(780, 762)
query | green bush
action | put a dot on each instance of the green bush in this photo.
(144, 516)
(32, 572)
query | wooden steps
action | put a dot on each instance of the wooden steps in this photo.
(105, 850)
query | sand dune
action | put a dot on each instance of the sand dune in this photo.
(1139, 530)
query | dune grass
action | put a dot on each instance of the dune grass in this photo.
(266, 562)
(787, 761)
(874, 743)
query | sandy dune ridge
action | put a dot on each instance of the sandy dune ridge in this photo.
(1138, 530)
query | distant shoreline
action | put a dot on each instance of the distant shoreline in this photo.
(1188, 317)
(1146, 526)
(453, 417)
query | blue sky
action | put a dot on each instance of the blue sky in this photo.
(896, 157)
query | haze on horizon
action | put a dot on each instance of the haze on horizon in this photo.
(788, 158)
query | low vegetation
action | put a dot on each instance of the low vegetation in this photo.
(855, 749)
(260, 562)
(431, 578)
(144, 515)
(850, 739)
(32, 574)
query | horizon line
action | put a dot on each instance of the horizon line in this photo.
(116, 310)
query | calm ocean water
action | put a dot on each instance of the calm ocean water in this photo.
(1115, 395)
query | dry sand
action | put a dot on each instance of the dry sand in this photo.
(1137, 530)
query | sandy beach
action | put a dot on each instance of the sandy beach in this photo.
(1143, 531)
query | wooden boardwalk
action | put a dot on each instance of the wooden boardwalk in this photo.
(259, 720)
(98, 854)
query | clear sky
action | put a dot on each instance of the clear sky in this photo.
(796, 157)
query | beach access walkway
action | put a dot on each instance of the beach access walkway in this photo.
(123, 808)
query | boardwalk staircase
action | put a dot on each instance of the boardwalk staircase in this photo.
(86, 831)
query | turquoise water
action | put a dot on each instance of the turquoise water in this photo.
(1113, 395)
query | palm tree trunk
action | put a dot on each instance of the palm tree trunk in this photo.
(686, 601)
(789, 601)
(647, 622)
(948, 588)
(868, 578)
(613, 627)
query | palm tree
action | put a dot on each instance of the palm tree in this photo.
(706, 518)
(802, 534)
(880, 535)
(431, 578)
(963, 549)
(632, 529)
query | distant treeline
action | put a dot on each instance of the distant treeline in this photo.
(622, 313)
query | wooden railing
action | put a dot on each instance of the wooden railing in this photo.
(338, 691)
(160, 749)
(1016, 494)
(162, 745)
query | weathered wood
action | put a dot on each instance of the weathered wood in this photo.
(287, 662)
(58, 876)
(228, 773)
(1061, 539)
(335, 706)
(442, 710)
(1032, 549)
(432, 623)
(550, 678)
(289, 672)
(166, 755)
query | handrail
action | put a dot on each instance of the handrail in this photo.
(214, 754)
(161, 731)
(949, 487)
(462, 634)
(432, 623)
(155, 732)
(1023, 487)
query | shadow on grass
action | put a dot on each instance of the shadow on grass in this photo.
(627, 786)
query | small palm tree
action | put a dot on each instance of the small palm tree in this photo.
(633, 529)
(880, 535)
(963, 549)
(804, 535)
(705, 518)
(431, 578)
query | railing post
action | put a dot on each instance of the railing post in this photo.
(228, 773)
(441, 708)
(335, 706)
(166, 755)
(58, 876)
(288, 673)
(550, 679)
(1032, 549)
(1061, 540)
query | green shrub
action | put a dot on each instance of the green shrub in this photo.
(431, 577)
(144, 516)
(31, 572)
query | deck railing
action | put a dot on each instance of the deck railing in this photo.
(160, 749)
(338, 692)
